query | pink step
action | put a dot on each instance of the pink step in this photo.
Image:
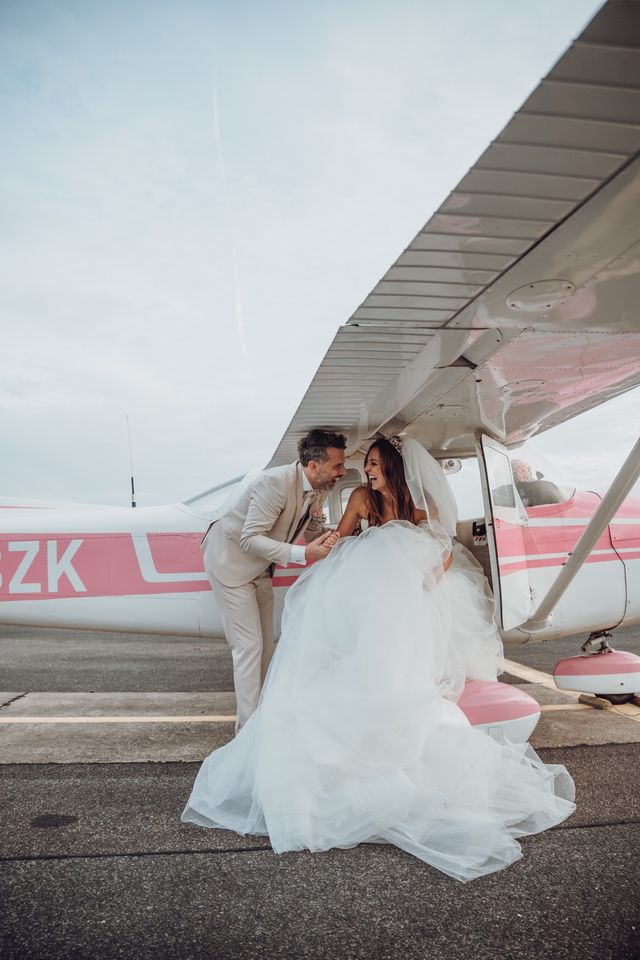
(491, 702)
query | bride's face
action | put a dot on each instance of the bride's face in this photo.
(373, 470)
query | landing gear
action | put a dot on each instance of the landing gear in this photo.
(616, 698)
(601, 636)
(601, 671)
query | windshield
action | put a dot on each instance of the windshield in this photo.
(207, 502)
(538, 479)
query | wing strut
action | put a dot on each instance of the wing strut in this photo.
(627, 476)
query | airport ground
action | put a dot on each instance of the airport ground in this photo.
(100, 739)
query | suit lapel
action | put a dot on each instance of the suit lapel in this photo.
(298, 495)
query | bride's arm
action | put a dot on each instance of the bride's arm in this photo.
(354, 511)
(422, 519)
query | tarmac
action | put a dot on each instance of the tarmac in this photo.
(100, 740)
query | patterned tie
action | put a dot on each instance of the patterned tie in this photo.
(309, 497)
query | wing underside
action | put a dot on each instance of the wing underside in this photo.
(516, 307)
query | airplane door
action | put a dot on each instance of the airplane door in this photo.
(506, 525)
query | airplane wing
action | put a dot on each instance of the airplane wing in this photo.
(517, 306)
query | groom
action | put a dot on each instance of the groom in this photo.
(241, 548)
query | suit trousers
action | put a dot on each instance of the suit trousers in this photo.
(247, 617)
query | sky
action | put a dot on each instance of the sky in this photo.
(196, 194)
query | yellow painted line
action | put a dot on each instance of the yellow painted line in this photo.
(136, 719)
(199, 719)
(547, 707)
(630, 711)
(536, 676)
(529, 673)
(627, 710)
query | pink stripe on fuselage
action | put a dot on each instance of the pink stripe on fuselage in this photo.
(541, 545)
(106, 565)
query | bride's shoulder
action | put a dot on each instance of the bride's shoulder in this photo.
(359, 493)
(358, 497)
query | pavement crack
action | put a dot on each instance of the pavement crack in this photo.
(132, 853)
(217, 851)
(13, 700)
(596, 823)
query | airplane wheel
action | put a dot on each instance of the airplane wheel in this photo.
(615, 698)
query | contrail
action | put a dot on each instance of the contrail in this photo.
(227, 210)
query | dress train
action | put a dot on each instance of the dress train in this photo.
(357, 737)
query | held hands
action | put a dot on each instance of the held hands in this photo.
(320, 548)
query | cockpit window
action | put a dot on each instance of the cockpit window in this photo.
(206, 503)
(536, 481)
(502, 494)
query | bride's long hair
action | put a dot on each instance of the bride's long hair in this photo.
(393, 470)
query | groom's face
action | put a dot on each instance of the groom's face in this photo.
(323, 475)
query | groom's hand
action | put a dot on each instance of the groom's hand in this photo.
(320, 548)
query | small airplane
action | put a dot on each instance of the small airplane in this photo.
(514, 309)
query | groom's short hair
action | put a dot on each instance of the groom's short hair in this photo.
(314, 445)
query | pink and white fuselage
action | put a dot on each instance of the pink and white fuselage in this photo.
(141, 571)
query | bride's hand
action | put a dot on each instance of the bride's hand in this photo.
(320, 548)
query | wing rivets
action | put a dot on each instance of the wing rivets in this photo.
(540, 295)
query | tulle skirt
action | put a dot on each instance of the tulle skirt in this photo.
(357, 737)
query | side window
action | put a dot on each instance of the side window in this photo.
(345, 493)
(502, 493)
(207, 503)
(505, 497)
(339, 496)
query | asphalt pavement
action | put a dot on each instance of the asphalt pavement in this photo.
(48, 659)
(96, 864)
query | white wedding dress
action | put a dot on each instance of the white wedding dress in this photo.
(357, 737)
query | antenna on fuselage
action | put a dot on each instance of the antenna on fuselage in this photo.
(133, 491)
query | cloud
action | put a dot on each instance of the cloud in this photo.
(141, 272)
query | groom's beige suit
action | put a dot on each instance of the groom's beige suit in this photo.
(240, 549)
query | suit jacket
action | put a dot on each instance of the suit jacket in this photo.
(259, 529)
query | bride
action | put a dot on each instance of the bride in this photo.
(357, 737)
